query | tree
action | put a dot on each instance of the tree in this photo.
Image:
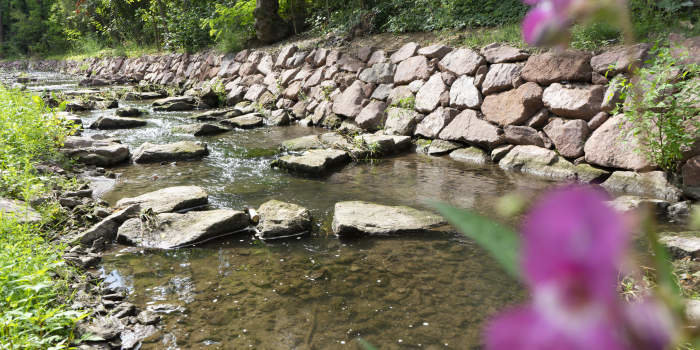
(269, 26)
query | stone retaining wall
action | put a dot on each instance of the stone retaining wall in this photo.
(491, 98)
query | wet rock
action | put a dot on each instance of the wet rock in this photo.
(107, 228)
(522, 135)
(470, 155)
(428, 97)
(552, 67)
(362, 218)
(302, 143)
(147, 317)
(279, 117)
(386, 144)
(414, 68)
(619, 60)
(653, 184)
(568, 136)
(499, 53)
(372, 116)
(93, 82)
(172, 230)
(433, 123)
(625, 204)
(92, 151)
(183, 150)
(469, 128)
(19, 211)
(574, 100)
(201, 129)
(146, 95)
(105, 328)
(435, 51)
(167, 200)
(499, 152)
(500, 77)
(401, 121)
(111, 123)
(464, 94)
(79, 106)
(404, 52)
(681, 245)
(175, 103)
(313, 162)
(604, 147)
(247, 121)
(542, 162)
(128, 112)
(379, 73)
(513, 107)
(461, 62)
(280, 220)
(440, 147)
(131, 337)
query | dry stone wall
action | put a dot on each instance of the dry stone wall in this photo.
(558, 102)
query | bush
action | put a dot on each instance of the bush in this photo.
(232, 26)
(659, 104)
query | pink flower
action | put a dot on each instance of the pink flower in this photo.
(548, 18)
(573, 244)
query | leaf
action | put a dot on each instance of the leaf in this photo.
(366, 345)
(501, 242)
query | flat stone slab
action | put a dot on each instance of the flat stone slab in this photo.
(470, 155)
(440, 147)
(183, 150)
(19, 211)
(200, 129)
(171, 230)
(545, 163)
(96, 151)
(681, 245)
(281, 220)
(313, 162)
(248, 121)
(138, 96)
(357, 218)
(654, 184)
(217, 114)
(110, 123)
(169, 199)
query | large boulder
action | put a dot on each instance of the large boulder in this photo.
(247, 121)
(654, 184)
(372, 116)
(18, 211)
(406, 51)
(470, 155)
(682, 245)
(574, 100)
(552, 67)
(621, 59)
(183, 150)
(280, 220)
(613, 145)
(468, 127)
(428, 97)
(500, 77)
(172, 230)
(171, 199)
(401, 121)
(461, 62)
(317, 162)
(108, 227)
(568, 136)
(362, 218)
(433, 123)
(111, 122)
(513, 107)
(522, 135)
(545, 163)
(95, 151)
(465, 94)
(414, 68)
(349, 103)
(379, 73)
(499, 53)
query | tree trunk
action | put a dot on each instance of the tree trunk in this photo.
(269, 26)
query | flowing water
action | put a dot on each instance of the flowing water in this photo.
(315, 292)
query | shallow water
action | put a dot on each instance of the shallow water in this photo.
(314, 292)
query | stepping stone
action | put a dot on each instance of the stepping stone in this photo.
(138, 96)
(281, 220)
(313, 162)
(95, 151)
(169, 199)
(175, 103)
(201, 129)
(110, 123)
(217, 114)
(128, 112)
(19, 211)
(183, 150)
(248, 121)
(171, 230)
(361, 218)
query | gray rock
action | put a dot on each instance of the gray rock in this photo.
(313, 162)
(653, 184)
(171, 199)
(464, 94)
(414, 68)
(622, 59)
(435, 51)
(461, 62)
(18, 211)
(105, 328)
(404, 52)
(302, 143)
(440, 147)
(183, 150)
(574, 100)
(280, 220)
(146, 95)
(362, 218)
(681, 245)
(499, 152)
(387, 144)
(92, 151)
(372, 116)
(350, 102)
(172, 230)
(174, 107)
(522, 135)
(128, 112)
(513, 107)
(382, 92)
(568, 136)
(107, 228)
(500, 77)
(175, 103)
(201, 129)
(247, 121)
(428, 97)
(279, 117)
(499, 53)
(541, 162)
(552, 67)
(131, 337)
(470, 155)
(612, 145)
(469, 128)
(379, 73)
(110, 123)
(401, 121)
(433, 123)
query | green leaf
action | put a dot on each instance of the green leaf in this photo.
(501, 242)
(365, 345)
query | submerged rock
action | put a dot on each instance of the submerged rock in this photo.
(183, 150)
(542, 162)
(654, 184)
(169, 199)
(361, 218)
(171, 230)
(18, 210)
(313, 162)
(95, 151)
(201, 129)
(470, 155)
(109, 123)
(681, 245)
(279, 220)
(128, 112)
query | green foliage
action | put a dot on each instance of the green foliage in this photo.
(507, 33)
(33, 288)
(660, 107)
(408, 102)
(232, 26)
(594, 35)
(654, 18)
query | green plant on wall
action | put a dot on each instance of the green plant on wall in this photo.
(661, 105)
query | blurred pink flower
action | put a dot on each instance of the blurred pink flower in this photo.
(573, 244)
(548, 18)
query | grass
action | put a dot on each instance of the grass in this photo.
(34, 279)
